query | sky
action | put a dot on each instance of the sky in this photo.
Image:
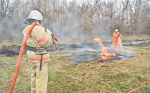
(82, 1)
(78, 1)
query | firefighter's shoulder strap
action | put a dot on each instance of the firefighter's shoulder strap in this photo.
(39, 50)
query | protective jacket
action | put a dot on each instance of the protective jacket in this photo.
(37, 38)
(116, 35)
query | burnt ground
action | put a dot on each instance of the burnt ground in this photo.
(14, 50)
(9, 50)
(136, 42)
(83, 55)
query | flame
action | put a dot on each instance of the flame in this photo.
(99, 41)
(104, 53)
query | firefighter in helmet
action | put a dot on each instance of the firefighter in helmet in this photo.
(116, 40)
(37, 55)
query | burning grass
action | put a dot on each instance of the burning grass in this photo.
(118, 76)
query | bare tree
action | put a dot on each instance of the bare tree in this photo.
(4, 5)
(129, 16)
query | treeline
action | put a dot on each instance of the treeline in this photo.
(94, 17)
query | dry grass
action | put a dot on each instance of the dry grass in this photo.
(110, 77)
(88, 77)
(135, 37)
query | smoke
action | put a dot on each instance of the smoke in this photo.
(11, 26)
(71, 26)
(67, 27)
(9, 30)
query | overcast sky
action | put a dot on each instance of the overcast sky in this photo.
(78, 1)
(81, 1)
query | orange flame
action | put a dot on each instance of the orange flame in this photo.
(104, 53)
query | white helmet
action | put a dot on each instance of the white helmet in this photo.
(116, 30)
(34, 14)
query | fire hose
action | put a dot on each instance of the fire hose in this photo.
(131, 91)
(20, 57)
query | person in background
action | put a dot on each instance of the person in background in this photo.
(37, 54)
(117, 40)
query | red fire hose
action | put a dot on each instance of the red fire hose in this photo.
(131, 91)
(20, 57)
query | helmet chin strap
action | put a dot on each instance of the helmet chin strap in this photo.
(39, 21)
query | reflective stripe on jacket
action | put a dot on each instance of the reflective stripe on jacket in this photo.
(37, 38)
(38, 59)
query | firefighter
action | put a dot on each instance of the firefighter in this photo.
(116, 40)
(37, 54)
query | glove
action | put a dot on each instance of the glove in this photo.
(48, 31)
